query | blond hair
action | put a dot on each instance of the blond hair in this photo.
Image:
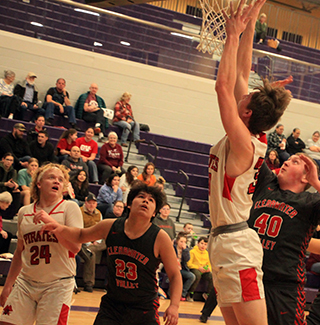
(37, 176)
(125, 95)
(5, 197)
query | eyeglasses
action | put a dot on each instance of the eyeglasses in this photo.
(119, 206)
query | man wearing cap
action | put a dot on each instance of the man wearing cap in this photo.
(57, 102)
(91, 216)
(28, 96)
(14, 143)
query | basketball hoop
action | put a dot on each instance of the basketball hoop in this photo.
(213, 31)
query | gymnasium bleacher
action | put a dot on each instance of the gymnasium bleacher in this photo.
(150, 45)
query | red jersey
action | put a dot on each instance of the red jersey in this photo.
(87, 148)
(63, 144)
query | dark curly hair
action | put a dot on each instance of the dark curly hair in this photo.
(154, 191)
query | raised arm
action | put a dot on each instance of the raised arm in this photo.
(227, 73)
(244, 57)
(311, 173)
(241, 149)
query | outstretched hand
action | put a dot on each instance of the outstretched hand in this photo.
(282, 83)
(238, 20)
(255, 9)
(311, 170)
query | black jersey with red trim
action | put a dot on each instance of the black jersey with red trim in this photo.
(132, 266)
(285, 222)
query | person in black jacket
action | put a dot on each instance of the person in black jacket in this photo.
(42, 149)
(39, 126)
(14, 143)
(8, 182)
(28, 96)
(294, 143)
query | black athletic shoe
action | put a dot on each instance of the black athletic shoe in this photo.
(48, 122)
(88, 289)
(203, 319)
(75, 126)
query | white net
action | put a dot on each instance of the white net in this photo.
(213, 35)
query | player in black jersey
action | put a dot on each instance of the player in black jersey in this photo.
(285, 216)
(135, 247)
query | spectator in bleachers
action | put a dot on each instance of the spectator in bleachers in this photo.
(5, 236)
(28, 96)
(260, 32)
(199, 265)
(147, 176)
(313, 263)
(294, 143)
(39, 126)
(313, 147)
(8, 182)
(111, 158)
(272, 159)
(66, 141)
(89, 150)
(89, 107)
(117, 211)
(183, 255)
(160, 183)
(91, 216)
(80, 185)
(163, 221)
(42, 149)
(57, 102)
(126, 181)
(108, 194)
(278, 141)
(9, 103)
(74, 162)
(123, 117)
(191, 235)
(14, 143)
(25, 179)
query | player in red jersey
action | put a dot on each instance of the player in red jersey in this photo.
(235, 250)
(43, 266)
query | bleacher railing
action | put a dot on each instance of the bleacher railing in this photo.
(184, 187)
(147, 42)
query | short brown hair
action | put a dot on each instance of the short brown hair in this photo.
(267, 106)
(180, 235)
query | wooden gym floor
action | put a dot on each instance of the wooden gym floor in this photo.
(85, 306)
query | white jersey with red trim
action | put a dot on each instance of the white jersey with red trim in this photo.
(230, 199)
(44, 259)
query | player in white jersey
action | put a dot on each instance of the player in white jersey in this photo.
(235, 250)
(43, 267)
